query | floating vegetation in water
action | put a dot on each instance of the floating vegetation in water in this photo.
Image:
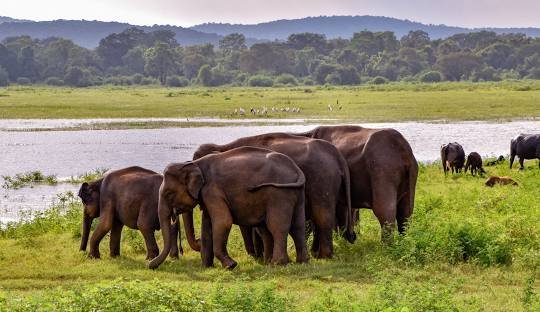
(88, 176)
(27, 179)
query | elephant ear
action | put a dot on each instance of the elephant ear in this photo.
(84, 191)
(195, 181)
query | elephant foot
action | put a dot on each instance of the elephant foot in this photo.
(151, 256)
(114, 255)
(229, 264)
(94, 255)
(282, 261)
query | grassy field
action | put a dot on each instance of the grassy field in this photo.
(366, 103)
(468, 248)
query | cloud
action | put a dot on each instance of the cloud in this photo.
(181, 12)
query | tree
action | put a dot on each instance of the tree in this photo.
(415, 39)
(134, 60)
(159, 61)
(205, 75)
(73, 76)
(269, 57)
(457, 66)
(112, 48)
(308, 40)
(27, 65)
(322, 71)
(4, 77)
(232, 43)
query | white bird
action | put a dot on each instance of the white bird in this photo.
(298, 109)
(286, 109)
(282, 109)
(273, 109)
(242, 111)
(235, 111)
(330, 107)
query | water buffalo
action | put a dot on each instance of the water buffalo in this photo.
(452, 157)
(525, 146)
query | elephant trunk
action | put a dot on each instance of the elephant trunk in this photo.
(195, 244)
(165, 224)
(87, 223)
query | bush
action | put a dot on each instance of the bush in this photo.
(24, 81)
(260, 81)
(54, 81)
(205, 75)
(4, 77)
(149, 81)
(431, 76)
(333, 79)
(176, 81)
(286, 79)
(241, 78)
(379, 80)
(137, 79)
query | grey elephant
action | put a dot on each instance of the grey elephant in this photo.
(525, 146)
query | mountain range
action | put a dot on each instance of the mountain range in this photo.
(88, 33)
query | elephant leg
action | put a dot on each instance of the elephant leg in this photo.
(247, 235)
(267, 241)
(152, 249)
(404, 211)
(297, 230)
(207, 249)
(316, 241)
(278, 223)
(221, 227)
(175, 240)
(385, 208)
(104, 226)
(114, 242)
(258, 243)
(521, 160)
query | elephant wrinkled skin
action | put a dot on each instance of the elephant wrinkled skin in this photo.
(327, 186)
(124, 197)
(525, 146)
(246, 186)
(383, 171)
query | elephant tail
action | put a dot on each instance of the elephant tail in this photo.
(298, 184)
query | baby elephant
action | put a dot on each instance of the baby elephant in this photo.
(474, 163)
(500, 180)
(124, 197)
(246, 186)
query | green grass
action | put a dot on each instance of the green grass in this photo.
(468, 248)
(368, 103)
(27, 179)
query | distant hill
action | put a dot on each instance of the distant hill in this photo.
(344, 27)
(5, 19)
(88, 33)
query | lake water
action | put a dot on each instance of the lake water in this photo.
(67, 153)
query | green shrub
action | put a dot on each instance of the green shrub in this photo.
(4, 77)
(146, 81)
(54, 81)
(23, 81)
(176, 81)
(379, 80)
(333, 79)
(286, 79)
(137, 79)
(431, 76)
(260, 81)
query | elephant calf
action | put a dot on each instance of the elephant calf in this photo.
(246, 186)
(474, 163)
(124, 197)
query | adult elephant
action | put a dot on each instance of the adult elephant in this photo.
(127, 197)
(327, 186)
(383, 171)
(452, 157)
(525, 146)
(228, 192)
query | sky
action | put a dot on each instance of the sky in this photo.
(467, 13)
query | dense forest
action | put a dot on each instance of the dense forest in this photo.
(134, 57)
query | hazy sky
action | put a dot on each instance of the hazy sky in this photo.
(469, 13)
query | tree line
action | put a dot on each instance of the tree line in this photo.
(135, 57)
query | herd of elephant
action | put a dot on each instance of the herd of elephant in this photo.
(271, 185)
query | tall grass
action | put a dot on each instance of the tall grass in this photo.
(467, 248)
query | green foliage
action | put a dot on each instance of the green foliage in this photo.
(88, 176)
(177, 81)
(54, 81)
(260, 81)
(379, 80)
(23, 81)
(25, 179)
(286, 79)
(431, 76)
(205, 75)
(4, 77)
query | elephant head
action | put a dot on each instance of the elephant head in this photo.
(179, 193)
(90, 197)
